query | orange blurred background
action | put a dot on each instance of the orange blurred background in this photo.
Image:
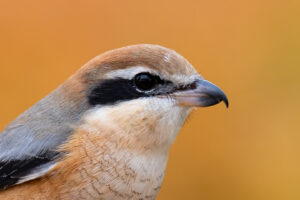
(249, 48)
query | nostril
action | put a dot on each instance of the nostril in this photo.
(193, 86)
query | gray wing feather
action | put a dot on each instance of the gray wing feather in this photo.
(20, 142)
(25, 156)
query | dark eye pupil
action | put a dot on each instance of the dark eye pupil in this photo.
(144, 81)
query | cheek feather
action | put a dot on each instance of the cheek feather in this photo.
(146, 122)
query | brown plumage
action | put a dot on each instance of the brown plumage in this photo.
(110, 126)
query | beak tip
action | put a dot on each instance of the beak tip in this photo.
(226, 103)
(225, 100)
(214, 92)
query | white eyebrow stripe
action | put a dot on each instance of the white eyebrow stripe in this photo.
(128, 73)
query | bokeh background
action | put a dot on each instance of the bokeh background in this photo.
(249, 48)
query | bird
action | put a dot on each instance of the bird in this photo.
(105, 133)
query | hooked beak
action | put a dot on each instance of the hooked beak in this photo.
(202, 93)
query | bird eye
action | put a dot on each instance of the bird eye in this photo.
(144, 81)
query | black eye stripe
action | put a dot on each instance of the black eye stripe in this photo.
(116, 90)
(112, 91)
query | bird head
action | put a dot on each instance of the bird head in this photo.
(140, 95)
(126, 103)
